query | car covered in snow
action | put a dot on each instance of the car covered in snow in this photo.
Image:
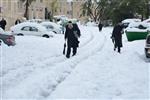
(50, 26)
(7, 38)
(30, 28)
(126, 22)
(137, 31)
(147, 46)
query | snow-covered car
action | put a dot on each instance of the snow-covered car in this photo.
(146, 21)
(138, 26)
(147, 46)
(7, 38)
(126, 22)
(137, 31)
(50, 26)
(29, 28)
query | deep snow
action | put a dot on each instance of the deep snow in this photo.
(36, 69)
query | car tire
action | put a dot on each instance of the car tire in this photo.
(20, 34)
(46, 36)
(146, 53)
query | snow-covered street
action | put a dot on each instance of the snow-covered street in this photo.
(36, 68)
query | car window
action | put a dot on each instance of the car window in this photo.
(49, 26)
(26, 28)
(34, 29)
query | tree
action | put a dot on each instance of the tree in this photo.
(27, 4)
(129, 9)
(95, 9)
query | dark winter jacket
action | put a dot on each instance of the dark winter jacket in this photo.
(3, 24)
(117, 35)
(72, 35)
(100, 26)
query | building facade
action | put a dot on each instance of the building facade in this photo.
(10, 10)
(13, 9)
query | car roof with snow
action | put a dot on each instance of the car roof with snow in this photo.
(147, 20)
(136, 24)
(50, 23)
(131, 20)
(47, 22)
(31, 24)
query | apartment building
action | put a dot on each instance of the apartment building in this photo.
(13, 9)
(71, 9)
(10, 10)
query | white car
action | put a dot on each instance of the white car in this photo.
(50, 26)
(29, 28)
(126, 22)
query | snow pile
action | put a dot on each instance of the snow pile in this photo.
(131, 20)
(36, 69)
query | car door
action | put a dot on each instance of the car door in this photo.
(25, 30)
(35, 31)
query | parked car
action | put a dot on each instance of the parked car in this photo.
(30, 28)
(7, 38)
(147, 46)
(126, 22)
(50, 26)
(137, 31)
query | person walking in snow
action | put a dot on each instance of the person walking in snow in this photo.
(117, 37)
(3, 23)
(72, 34)
(100, 26)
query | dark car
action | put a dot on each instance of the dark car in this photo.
(7, 39)
(147, 46)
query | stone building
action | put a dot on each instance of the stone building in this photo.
(13, 9)
(10, 10)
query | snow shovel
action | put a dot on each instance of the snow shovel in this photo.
(64, 50)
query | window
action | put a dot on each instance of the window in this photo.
(26, 28)
(41, 1)
(49, 27)
(34, 29)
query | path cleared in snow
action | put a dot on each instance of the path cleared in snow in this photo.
(36, 69)
(109, 75)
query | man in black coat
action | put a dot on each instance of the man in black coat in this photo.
(71, 35)
(100, 26)
(3, 23)
(117, 36)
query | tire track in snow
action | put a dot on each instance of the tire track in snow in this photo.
(23, 73)
(74, 64)
(61, 70)
(49, 60)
